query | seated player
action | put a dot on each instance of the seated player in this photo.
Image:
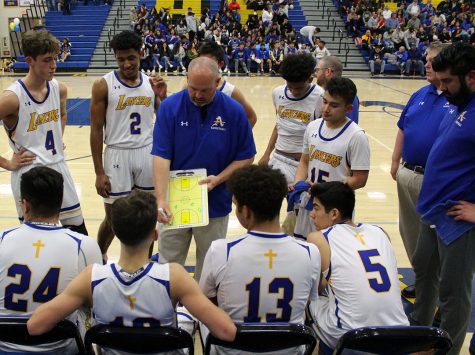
(263, 276)
(334, 149)
(145, 293)
(359, 268)
(39, 258)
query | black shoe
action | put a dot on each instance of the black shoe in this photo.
(409, 291)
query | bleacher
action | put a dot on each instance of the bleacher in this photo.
(83, 29)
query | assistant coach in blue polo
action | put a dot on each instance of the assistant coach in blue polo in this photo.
(199, 127)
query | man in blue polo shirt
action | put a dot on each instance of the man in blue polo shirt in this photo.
(199, 127)
(444, 260)
(423, 113)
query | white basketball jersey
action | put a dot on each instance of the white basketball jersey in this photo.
(36, 263)
(38, 128)
(130, 112)
(333, 153)
(140, 300)
(363, 282)
(227, 88)
(293, 116)
(262, 277)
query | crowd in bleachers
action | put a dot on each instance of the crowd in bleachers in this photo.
(403, 36)
(171, 42)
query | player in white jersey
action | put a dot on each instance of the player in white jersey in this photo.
(34, 117)
(145, 293)
(334, 149)
(263, 276)
(123, 106)
(216, 52)
(297, 103)
(360, 286)
(39, 258)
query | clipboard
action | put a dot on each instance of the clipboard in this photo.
(187, 199)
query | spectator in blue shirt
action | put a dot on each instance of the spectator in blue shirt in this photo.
(241, 58)
(264, 57)
(414, 60)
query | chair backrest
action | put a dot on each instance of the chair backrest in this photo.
(395, 340)
(138, 340)
(264, 337)
(14, 330)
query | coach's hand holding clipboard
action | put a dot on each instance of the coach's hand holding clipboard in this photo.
(186, 205)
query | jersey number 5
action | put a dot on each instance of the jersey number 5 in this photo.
(385, 283)
(45, 291)
(135, 124)
(277, 284)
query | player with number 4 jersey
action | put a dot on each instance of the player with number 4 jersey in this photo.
(360, 286)
(123, 108)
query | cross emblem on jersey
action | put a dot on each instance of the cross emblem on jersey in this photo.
(271, 256)
(360, 237)
(131, 302)
(38, 246)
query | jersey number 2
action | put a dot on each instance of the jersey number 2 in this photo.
(385, 283)
(135, 124)
(46, 290)
(277, 284)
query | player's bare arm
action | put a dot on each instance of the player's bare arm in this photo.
(319, 240)
(185, 290)
(358, 179)
(161, 174)
(302, 170)
(63, 98)
(397, 153)
(214, 181)
(98, 118)
(250, 113)
(270, 148)
(9, 116)
(159, 87)
(76, 294)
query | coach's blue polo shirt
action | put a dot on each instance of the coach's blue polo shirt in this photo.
(420, 122)
(181, 136)
(450, 174)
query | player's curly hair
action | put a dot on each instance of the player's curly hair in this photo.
(335, 194)
(297, 68)
(134, 217)
(126, 40)
(259, 188)
(342, 87)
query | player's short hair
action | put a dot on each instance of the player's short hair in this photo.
(126, 40)
(134, 217)
(335, 194)
(297, 68)
(334, 63)
(259, 188)
(212, 49)
(42, 187)
(342, 87)
(459, 58)
(38, 42)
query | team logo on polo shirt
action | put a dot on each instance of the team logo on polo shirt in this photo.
(460, 119)
(218, 124)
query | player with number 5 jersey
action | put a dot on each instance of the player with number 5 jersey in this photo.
(360, 284)
(33, 112)
(123, 108)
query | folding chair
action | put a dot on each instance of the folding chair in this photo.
(259, 337)
(395, 340)
(138, 340)
(14, 330)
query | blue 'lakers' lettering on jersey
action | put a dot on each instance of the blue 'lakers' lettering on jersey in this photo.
(125, 102)
(42, 118)
(287, 113)
(324, 157)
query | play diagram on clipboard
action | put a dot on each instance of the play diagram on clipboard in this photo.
(187, 199)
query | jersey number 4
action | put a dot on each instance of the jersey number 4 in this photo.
(45, 291)
(276, 285)
(49, 143)
(369, 266)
